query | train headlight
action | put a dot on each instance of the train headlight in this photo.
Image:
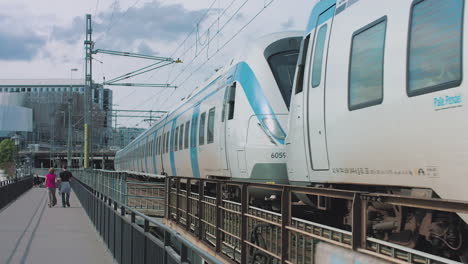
(274, 128)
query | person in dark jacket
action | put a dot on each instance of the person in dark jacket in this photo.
(65, 188)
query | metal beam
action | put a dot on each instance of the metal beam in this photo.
(139, 111)
(147, 116)
(134, 55)
(138, 72)
(142, 85)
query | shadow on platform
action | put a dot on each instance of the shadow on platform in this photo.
(31, 232)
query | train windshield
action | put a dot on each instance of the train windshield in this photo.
(283, 66)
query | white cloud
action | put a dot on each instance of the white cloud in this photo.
(156, 26)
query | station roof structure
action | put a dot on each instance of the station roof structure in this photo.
(40, 82)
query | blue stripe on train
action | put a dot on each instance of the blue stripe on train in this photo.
(256, 96)
(171, 144)
(146, 155)
(154, 152)
(319, 8)
(193, 142)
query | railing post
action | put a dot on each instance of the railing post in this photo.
(188, 204)
(183, 254)
(177, 200)
(359, 223)
(285, 221)
(167, 243)
(219, 199)
(124, 189)
(243, 235)
(201, 195)
(168, 198)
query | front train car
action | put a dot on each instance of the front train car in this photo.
(233, 126)
(378, 107)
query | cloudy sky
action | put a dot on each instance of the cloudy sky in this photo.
(44, 39)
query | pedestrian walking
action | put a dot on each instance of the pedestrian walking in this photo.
(37, 181)
(65, 188)
(50, 185)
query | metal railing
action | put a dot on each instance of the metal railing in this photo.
(147, 197)
(12, 189)
(243, 233)
(133, 237)
(239, 231)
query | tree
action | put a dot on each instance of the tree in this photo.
(7, 155)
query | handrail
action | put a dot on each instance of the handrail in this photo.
(163, 227)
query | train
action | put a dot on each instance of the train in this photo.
(374, 103)
(378, 107)
(232, 126)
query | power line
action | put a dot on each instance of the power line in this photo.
(96, 8)
(216, 34)
(208, 40)
(111, 19)
(209, 36)
(228, 41)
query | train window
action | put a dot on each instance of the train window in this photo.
(158, 144)
(163, 151)
(302, 60)
(366, 66)
(167, 141)
(231, 101)
(201, 131)
(186, 139)
(176, 139)
(148, 149)
(181, 136)
(283, 66)
(318, 56)
(434, 46)
(210, 132)
(161, 143)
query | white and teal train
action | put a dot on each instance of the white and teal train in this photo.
(378, 106)
(232, 126)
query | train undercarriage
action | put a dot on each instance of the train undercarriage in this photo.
(436, 232)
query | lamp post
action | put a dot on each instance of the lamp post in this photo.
(16, 140)
(70, 109)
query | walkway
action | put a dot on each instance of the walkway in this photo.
(31, 232)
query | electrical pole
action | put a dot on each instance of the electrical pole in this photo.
(70, 115)
(88, 83)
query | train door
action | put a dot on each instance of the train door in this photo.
(316, 92)
(226, 133)
(223, 130)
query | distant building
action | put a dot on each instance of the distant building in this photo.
(125, 135)
(48, 100)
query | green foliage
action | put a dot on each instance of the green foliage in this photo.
(7, 151)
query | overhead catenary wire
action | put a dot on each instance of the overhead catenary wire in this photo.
(215, 35)
(203, 43)
(227, 42)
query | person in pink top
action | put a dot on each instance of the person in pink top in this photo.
(50, 185)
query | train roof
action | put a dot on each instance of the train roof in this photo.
(319, 9)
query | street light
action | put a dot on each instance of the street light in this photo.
(16, 141)
(70, 109)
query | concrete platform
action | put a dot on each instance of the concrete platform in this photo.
(31, 232)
